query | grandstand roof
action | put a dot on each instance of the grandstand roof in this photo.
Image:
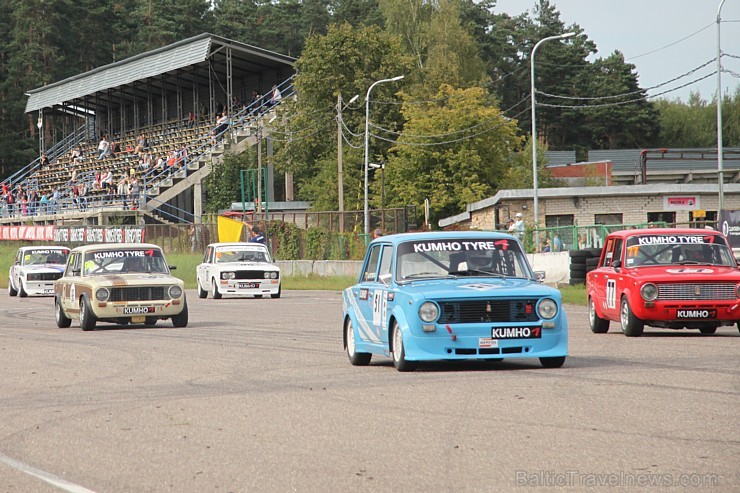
(201, 53)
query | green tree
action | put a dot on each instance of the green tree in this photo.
(463, 163)
(222, 185)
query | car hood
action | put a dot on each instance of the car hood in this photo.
(43, 268)
(478, 287)
(134, 279)
(248, 266)
(687, 273)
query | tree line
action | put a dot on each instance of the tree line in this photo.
(454, 130)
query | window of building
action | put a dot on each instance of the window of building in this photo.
(669, 218)
(615, 218)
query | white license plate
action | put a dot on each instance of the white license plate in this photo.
(484, 342)
(248, 285)
(137, 310)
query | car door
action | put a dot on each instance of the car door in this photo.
(202, 270)
(367, 296)
(381, 290)
(15, 269)
(611, 278)
(72, 275)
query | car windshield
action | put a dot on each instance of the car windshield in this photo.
(679, 249)
(424, 259)
(115, 261)
(45, 256)
(241, 254)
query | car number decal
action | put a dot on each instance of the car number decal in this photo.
(478, 286)
(611, 293)
(378, 306)
(72, 293)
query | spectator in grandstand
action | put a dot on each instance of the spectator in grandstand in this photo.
(145, 162)
(103, 147)
(115, 148)
(161, 165)
(32, 198)
(172, 162)
(106, 180)
(183, 156)
(52, 208)
(275, 96)
(142, 144)
(43, 203)
(73, 174)
(221, 125)
(10, 199)
(134, 189)
(82, 196)
(192, 119)
(24, 204)
(123, 190)
(44, 160)
(255, 102)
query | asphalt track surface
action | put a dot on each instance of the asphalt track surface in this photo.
(258, 395)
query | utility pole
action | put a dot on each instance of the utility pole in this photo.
(258, 206)
(340, 153)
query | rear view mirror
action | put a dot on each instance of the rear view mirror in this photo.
(539, 275)
(172, 267)
(617, 264)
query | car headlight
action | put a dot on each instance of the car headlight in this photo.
(175, 291)
(649, 292)
(267, 275)
(737, 290)
(33, 277)
(547, 308)
(102, 294)
(273, 275)
(428, 311)
(228, 275)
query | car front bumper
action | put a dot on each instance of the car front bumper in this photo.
(249, 287)
(137, 310)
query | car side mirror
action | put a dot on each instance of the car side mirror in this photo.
(74, 272)
(172, 267)
(385, 279)
(540, 275)
(617, 264)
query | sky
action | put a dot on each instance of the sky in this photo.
(650, 34)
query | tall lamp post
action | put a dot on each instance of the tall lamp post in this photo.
(534, 136)
(720, 163)
(367, 144)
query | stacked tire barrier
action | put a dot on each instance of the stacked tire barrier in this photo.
(581, 262)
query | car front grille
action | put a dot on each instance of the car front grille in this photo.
(251, 274)
(45, 276)
(696, 291)
(145, 293)
(467, 312)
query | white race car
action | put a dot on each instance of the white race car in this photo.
(238, 268)
(35, 269)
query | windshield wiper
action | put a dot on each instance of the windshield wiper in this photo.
(424, 275)
(469, 272)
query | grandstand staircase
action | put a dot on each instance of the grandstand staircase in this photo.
(237, 141)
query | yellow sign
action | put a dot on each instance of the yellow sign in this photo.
(699, 213)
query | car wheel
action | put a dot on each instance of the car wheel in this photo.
(631, 325)
(11, 291)
(355, 358)
(399, 352)
(598, 324)
(708, 330)
(277, 295)
(22, 292)
(151, 321)
(62, 320)
(202, 293)
(181, 319)
(215, 294)
(553, 362)
(87, 318)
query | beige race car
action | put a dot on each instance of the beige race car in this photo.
(119, 283)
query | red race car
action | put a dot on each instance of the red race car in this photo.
(669, 278)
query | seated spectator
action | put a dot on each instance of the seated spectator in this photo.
(104, 147)
(44, 160)
(192, 119)
(106, 180)
(115, 148)
(221, 125)
(142, 144)
(276, 97)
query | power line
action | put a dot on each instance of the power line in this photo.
(671, 44)
(640, 91)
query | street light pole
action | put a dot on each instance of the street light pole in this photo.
(534, 134)
(367, 145)
(720, 157)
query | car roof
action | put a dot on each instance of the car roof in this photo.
(664, 231)
(442, 235)
(116, 246)
(237, 243)
(43, 247)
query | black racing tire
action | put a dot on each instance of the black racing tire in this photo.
(277, 295)
(592, 262)
(553, 362)
(399, 352)
(593, 252)
(708, 330)
(21, 291)
(575, 270)
(631, 325)
(181, 319)
(87, 317)
(11, 291)
(355, 358)
(202, 293)
(578, 254)
(598, 324)
(151, 321)
(215, 293)
(62, 320)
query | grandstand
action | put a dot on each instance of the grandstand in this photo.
(171, 96)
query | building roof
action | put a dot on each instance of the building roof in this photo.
(612, 191)
(199, 54)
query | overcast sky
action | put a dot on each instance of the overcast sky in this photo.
(649, 34)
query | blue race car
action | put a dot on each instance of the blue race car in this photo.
(451, 296)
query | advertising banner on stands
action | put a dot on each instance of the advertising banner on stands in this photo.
(83, 234)
(729, 224)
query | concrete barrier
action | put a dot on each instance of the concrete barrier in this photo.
(556, 266)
